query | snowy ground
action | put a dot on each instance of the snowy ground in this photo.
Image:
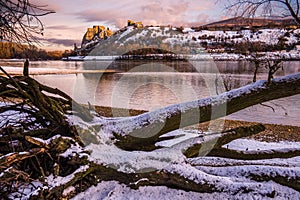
(115, 190)
(229, 175)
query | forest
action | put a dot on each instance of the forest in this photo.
(10, 50)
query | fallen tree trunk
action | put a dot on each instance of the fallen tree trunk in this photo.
(136, 133)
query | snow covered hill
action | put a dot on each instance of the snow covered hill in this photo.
(188, 41)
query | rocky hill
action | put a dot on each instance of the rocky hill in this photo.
(166, 39)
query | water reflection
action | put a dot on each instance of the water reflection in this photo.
(148, 91)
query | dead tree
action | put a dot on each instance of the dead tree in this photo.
(19, 21)
(271, 65)
(252, 7)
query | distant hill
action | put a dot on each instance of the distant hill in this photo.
(240, 23)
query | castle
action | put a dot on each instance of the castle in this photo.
(135, 24)
(93, 35)
(99, 32)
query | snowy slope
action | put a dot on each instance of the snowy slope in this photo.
(187, 40)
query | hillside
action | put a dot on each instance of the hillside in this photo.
(188, 41)
(240, 23)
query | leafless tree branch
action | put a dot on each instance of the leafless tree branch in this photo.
(250, 8)
(19, 21)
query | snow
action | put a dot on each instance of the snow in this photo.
(181, 135)
(253, 145)
(107, 190)
(114, 190)
(246, 171)
(268, 36)
(100, 58)
(11, 117)
(128, 30)
(154, 28)
(219, 162)
(187, 30)
(201, 56)
(132, 161)
(68, 190)
(26, 191)
(59, 180)
(137, 35)
(73, 58)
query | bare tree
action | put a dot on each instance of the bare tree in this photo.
(271, 65)
(19, 21)
(252, 7)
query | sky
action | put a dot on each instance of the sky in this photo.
(72, 17)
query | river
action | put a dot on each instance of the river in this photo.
(152, 85)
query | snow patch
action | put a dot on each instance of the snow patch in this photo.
(254, 145)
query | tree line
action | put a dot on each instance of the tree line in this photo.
(9, 50)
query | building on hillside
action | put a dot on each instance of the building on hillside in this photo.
(135, 24)
(89, 35)
(96, 32)
(92, 37)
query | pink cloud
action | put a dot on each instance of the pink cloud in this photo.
(72, 17)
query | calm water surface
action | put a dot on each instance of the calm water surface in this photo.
(148, 86)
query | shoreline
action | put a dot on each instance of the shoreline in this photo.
(284, 56)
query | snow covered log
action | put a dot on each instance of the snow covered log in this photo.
(142, 131)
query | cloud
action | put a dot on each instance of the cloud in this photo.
(109, 17)
(167, 12)
(158, 13)
(47, 4)
(63, 42)
(72, 17)
(60, 27)
(98, 15)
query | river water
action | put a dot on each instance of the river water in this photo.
(152, 85)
